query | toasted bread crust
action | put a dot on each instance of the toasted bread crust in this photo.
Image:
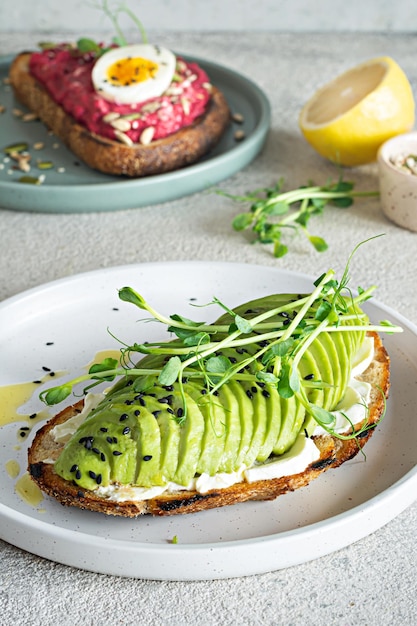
(178, 150)
(333, 452)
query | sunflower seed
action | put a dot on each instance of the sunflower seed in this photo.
(150, 107)
(123, 138)
(110, 117)
(29, 117)
(121, 124)
(147, 135)
(238, 118)
(185, 103)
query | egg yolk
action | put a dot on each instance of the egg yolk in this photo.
(131, 70)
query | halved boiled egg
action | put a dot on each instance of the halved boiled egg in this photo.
(134, 73)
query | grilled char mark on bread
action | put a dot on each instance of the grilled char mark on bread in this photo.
(333, 452)
(112, 157)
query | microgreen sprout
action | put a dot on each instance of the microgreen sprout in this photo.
(274, 213)
(85, 44)
(274, 343)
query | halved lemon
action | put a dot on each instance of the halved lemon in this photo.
(348, 119)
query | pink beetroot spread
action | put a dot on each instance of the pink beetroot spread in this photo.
(66, 75)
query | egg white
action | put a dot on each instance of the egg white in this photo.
(152, 85)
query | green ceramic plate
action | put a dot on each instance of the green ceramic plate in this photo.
(72, 187)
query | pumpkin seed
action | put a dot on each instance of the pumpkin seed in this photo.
(16, 147)
(31, 180)
(45, 165)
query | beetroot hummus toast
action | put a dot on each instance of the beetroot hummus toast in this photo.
(132, 110)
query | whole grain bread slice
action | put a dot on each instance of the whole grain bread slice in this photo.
(333, 452)
(176, 151)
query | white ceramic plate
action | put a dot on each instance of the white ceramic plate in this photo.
(337, 509)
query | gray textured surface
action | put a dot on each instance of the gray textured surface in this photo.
(371, 582)
(225, 15)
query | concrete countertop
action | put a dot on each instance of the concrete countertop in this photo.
(371, 582)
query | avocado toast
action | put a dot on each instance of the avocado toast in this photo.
(232, 411)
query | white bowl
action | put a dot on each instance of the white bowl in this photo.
(398, 189)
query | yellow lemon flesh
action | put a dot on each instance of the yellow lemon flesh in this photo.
(348, 119)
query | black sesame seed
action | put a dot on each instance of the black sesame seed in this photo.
(98, 479)
(104, 430)
(203, 392)
(232, 359)
(37, 382)
(254, 389)
(128, 402)
(309, 377)
(169, 387)
(45, 369)
(49, 343)
(32, 417)
(24, 428)
(22, 433)
(129, 382)
(95, 450)
(109, 439)
(102, 457)
(137, 412)
(142, 402)
(78, 474)
(180, 412)
(116, 453)
(169, 410)
(73, 469)
(92, 474)
(249, 394)
(147, 457)
(123, 417)
(266, 393)
(126, 430)
(88, 444)
(156, 413)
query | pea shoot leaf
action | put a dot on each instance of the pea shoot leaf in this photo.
(55, 395)
(107, 365)
(273, 213)
(127, 294)
(170, 371)
(218, 364)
